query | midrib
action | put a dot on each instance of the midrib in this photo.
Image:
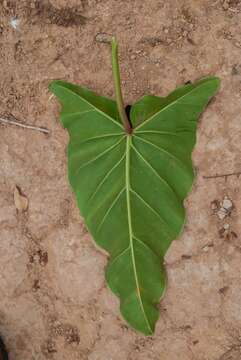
(128, 190)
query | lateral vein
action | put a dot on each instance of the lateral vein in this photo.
(167, 106)
(100, 155)
(150, 207)
(155, 172)
(106, 177)
(92, 106)
(160, 149)
(109, 209)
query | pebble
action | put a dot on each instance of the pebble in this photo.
(226, 226)
(14, 22)
(205, 248)
(103, 38)
(227, 203)
(222, 213)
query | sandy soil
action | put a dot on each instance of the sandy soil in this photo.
(54, 303)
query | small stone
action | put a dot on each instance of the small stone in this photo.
(14, 22)
(227, 203)
(205, 248)
(226, 226)
(103, 38)
(222, 213)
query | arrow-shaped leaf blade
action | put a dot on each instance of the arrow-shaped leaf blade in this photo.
(130, 187)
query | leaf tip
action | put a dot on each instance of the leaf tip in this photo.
(52, 85)
(217, 81)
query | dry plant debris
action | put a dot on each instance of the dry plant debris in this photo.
(20, 200)
(223, 208)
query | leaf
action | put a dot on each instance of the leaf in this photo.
(130, 188)
(20, 201)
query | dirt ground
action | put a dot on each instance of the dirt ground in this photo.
(54, 303)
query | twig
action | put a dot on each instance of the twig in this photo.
(238, 173)
(17, 123)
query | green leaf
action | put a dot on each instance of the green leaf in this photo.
(130, 187)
